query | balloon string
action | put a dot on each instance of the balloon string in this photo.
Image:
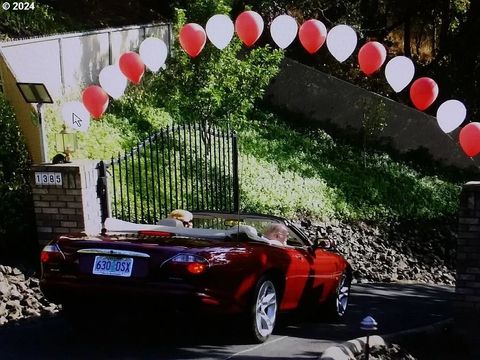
(474, 162)
(451, 138)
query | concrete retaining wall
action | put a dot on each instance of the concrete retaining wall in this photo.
(324, 99)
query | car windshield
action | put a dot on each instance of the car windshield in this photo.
(230, 221)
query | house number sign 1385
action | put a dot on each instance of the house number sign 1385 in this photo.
(48, 178)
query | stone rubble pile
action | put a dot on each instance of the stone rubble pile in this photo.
(396, 253)
(20, 297)
(393, 253)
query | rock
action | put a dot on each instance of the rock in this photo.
(396, 252)
(20, 297)
(5, 289)
(388, 352)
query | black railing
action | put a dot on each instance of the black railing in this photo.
(192, 167)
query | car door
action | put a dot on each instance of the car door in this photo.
(324, 272)
(296, 277)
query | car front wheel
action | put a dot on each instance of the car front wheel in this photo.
(264, 310)
(337, 305)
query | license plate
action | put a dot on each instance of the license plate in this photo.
(113, 266)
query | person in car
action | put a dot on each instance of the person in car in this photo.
(186, 217)
(276, 234)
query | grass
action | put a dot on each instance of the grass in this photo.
(296, 171)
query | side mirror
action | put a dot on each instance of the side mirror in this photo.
(323, 244)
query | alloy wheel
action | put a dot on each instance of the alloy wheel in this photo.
(342, 295)
(266, 309)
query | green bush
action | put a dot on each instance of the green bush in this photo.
(336, 176)
(266, 189)
(126, 122)
(16, 208)
(41, 20)
(218, 86)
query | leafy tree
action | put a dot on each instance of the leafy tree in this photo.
(16, 210)
(40, 20)
(218, 85)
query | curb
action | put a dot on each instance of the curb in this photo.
(351, 348)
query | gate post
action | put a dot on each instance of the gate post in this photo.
(102, 192)
(236, 190)
(65, 199)
(467, 288)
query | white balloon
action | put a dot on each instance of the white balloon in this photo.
(283, 30)
(219, 30)
(399, 72)
(76, 116)
(451, 115)
(341, 42)
(113, 81)
(153, 53)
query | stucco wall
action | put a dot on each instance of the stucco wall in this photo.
(65, 64)
(324, 99)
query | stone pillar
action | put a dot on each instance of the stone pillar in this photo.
(467, 291)
(66, 199)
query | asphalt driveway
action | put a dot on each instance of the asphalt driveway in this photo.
(396, 307)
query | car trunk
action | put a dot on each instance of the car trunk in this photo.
(125, 257)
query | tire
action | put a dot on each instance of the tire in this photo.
(336, 307)
(263, 311)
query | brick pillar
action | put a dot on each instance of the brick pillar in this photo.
(467, 291)
(72, 206)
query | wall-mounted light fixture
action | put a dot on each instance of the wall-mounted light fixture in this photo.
(66, 143)
(37, 93)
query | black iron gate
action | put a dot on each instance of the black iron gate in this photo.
(191, 167)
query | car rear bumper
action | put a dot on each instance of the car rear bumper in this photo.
(169, 295)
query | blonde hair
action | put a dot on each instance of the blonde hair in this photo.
(182, 215)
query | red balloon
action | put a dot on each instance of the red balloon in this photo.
(249, 27)
(470, 139)
(95, 100)
(312, 35)
(192, 39)
(132, 66)
(423, 92)
(371, 57)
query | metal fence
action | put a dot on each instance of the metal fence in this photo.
(192, 167)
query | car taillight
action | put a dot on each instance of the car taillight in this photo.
(51, 254)
(196, 268)
(155, 233)
(193, 264)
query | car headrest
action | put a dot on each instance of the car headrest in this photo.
(245, 230)
(170, 222)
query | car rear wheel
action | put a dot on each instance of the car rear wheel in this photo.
(264, 310)
(338, 304)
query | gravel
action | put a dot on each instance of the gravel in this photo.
(390, 253)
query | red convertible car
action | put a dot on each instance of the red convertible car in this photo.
(221, 265)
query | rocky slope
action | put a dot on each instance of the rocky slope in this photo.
(395, 252)
(377, 254)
